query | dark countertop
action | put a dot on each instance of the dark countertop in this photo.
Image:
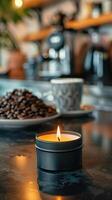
(18, 172)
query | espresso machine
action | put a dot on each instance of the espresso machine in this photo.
(96, 67)
(58, 60)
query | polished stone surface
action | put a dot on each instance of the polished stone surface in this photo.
(19, 179)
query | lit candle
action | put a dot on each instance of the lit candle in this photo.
(58, 137)
(59, 151)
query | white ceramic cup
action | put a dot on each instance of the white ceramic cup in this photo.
(67, 93)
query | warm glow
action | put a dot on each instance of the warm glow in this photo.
(30, 191)
(58, 133)
(59, 198)
(18, 3)
(21, 161)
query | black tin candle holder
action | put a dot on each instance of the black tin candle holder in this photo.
(59, 156)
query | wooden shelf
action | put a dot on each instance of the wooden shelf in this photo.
(86, 23)
(37, 3)
(40, 35)
(75, 25)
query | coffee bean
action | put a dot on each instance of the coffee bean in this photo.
(22, 104)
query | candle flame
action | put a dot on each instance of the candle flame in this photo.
(58, 133)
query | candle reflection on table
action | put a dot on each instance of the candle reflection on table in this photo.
(63, 183)
(30, 191)
(20, 161)
(56, 197)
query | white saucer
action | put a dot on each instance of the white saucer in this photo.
(77, 113)
(18, 123)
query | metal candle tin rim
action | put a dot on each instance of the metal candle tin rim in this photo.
(59, 151)
(59, 146)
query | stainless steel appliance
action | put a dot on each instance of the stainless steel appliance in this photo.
(59, 60)
(96, 68)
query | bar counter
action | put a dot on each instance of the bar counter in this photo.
(18, 171)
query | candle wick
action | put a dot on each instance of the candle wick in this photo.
(58, 139)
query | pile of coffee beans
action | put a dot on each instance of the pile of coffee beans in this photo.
(22, 104)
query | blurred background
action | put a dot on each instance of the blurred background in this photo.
(45, 39)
